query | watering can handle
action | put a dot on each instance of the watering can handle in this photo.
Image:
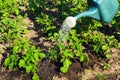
(92, 12)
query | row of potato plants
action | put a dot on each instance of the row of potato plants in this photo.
(20, 51)
(49, 14)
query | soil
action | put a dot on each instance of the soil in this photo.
(50, 71)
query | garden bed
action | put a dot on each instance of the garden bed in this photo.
(29, 46)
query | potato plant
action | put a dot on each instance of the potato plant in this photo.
(68, 50)
(24, 56)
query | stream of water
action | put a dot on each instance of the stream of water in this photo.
(68, 23)
(64, 32)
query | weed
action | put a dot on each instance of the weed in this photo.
(106, 66)
(101, 76)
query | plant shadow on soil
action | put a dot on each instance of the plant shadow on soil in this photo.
(109, 30)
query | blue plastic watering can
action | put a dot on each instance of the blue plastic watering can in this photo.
(102, 10)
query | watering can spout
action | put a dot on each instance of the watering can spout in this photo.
(93, 12)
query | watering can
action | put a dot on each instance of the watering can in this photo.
(101, 10)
